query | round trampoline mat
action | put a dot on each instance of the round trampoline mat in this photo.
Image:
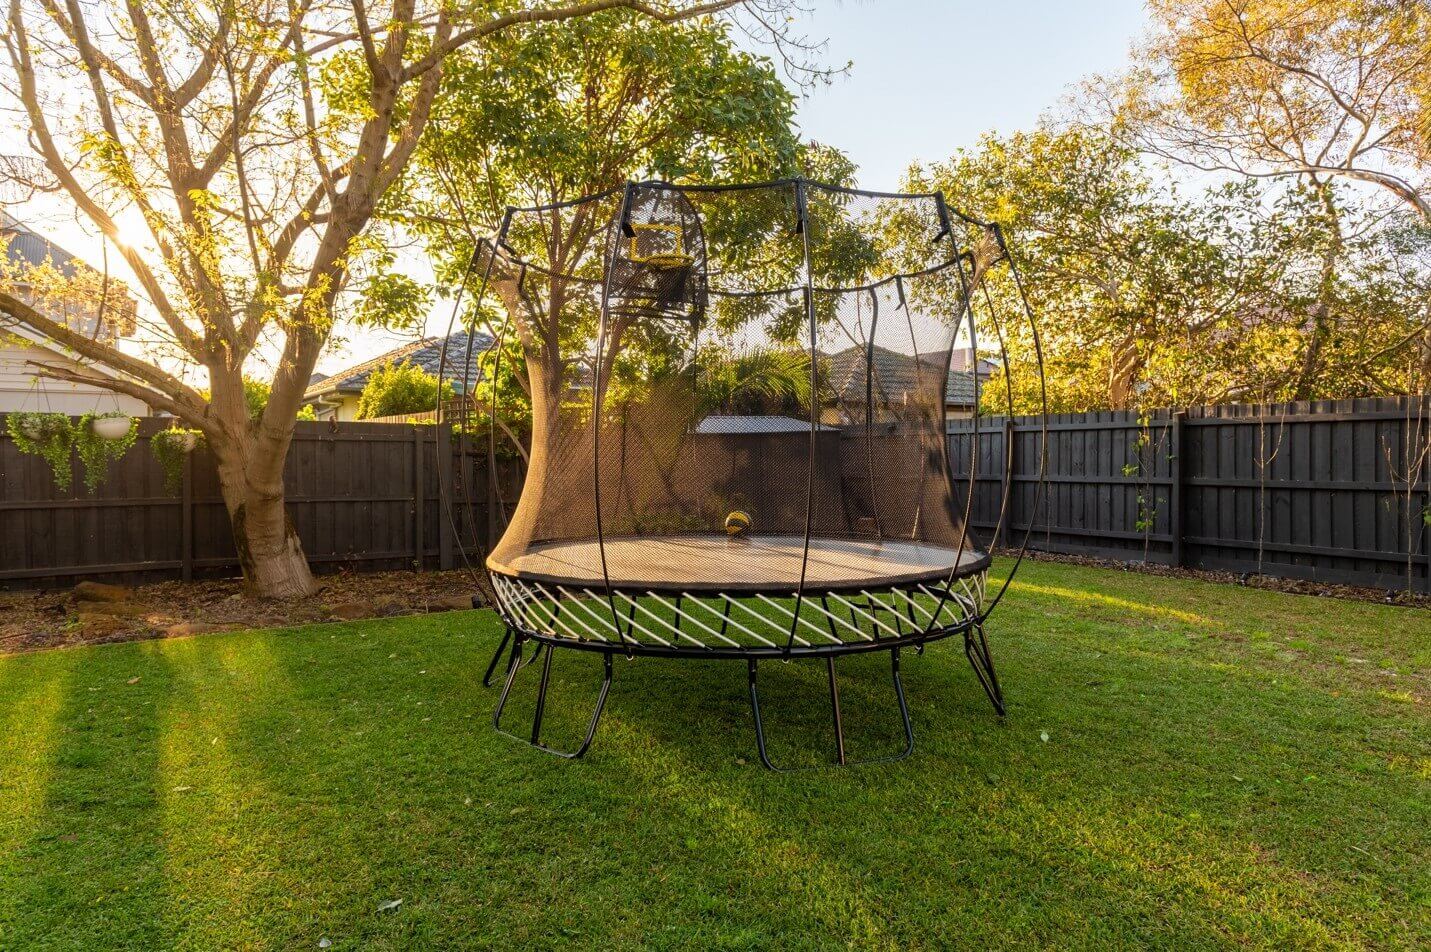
(759, 563)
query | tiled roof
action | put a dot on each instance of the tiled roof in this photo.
(894, 374)
(425, 353)
(30, 248)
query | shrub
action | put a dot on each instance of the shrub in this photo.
(401, 388)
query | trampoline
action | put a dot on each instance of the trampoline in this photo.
(735, 404)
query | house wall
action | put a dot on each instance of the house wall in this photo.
(21, 390)
(342, 407)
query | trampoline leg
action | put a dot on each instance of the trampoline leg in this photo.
(982, 662)
(759, 725)
(496, 656)
(541, 700)
(515, 665)
(842, 759)
(835, 711)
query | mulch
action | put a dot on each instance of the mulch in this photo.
(30, 621)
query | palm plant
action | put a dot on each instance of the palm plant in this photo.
(764, 380)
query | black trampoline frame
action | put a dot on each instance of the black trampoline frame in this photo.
(971, 627)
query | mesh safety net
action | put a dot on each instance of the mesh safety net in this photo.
(735, 388)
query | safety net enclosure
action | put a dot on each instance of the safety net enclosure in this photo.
(737, 447)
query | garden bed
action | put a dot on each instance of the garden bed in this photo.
(52, 619)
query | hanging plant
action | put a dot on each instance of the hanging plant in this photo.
(48, 435)
(113, 426)
(96, 449)
(169, 448)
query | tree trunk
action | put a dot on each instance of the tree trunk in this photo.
(1123, 374)
(250, 471)
(1322, 318)
(269, 551)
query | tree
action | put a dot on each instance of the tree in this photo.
(1325, 89)
(254, 143)
(1317, 90)
(680, 101)
(404, 388)
(1147, 296)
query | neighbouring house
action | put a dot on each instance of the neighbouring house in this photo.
(894, 375)
(335, 396)
(962, 359)
(22, 348)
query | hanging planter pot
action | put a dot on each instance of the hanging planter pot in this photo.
(169, 448)
(39, 426)
(112, 426)
(48, 435)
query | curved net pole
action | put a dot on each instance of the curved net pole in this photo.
(485, 588)
(1043, 417)
(967, 309)
(598, 395)
(869, 403)
(494, 489)
(802, 225)
(1008, 473)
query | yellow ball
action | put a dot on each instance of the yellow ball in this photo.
(737, 524)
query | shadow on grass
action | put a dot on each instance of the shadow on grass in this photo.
(92, 856)
(332, 769)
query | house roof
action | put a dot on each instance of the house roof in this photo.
(30, 248)
(893, 374)
(425, 353)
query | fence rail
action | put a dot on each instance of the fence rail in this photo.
(1334, 491)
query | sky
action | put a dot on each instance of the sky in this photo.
(930, 76)
(927, 77)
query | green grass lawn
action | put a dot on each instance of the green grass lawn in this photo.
(1183, 765)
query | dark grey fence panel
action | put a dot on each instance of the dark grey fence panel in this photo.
(362, 496)
(1332, 490)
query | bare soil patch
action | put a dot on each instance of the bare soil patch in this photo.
(30, 621)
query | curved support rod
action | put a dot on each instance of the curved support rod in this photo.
(513, 666)
(840, 758)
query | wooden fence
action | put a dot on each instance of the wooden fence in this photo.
(1333, 490)
(363, 496)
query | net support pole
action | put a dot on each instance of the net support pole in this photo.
(493, 490)
(802, 227)
(598, 394)
(967, 308)
(487, 593)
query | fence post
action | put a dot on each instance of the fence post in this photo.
(444, 493)
(1175, 493)
(186, 521)
(1425, 449)
(419, 500)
